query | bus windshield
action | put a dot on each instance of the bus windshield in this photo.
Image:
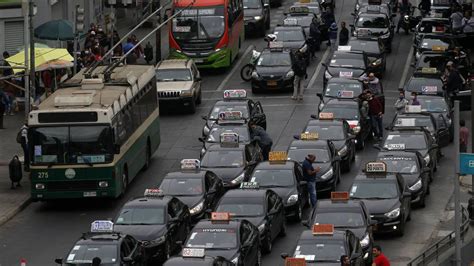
(72, 144)
(199, 23)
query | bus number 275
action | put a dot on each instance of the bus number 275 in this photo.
(42, 175)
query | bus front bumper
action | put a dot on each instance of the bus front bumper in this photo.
(218, 59)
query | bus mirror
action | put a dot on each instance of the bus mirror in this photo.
(117, 149)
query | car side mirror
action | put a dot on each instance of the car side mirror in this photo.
(284, 255)
(127, 259)
(324, 65)
(305, 223)
(272, 212)
(201, 139)
(212, 191)
(377, 146)
(372, 223)
(320, 95)
(173, 220)
(353, 14)
(59, 261)
(303, 183)
(208, 211)
(406, 194)
(314, 116)
(204, 117)
(179, 243)
(266, 5)
(394, 15)
(117, 149)
(337, 158)
(351, 25)
(350, 136)
(426, 170)
(434, 146)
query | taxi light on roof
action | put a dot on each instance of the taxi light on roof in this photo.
(429, 70)
(235, 94)
(375, 167)
(153, 192)
(326, 116)
(305, 1)
(193, 252)
(295, 262)
(102, 226)
(290, 22)
(299, 9)
(230, 115)
(249, 185)
(220, 216)
(438, 48)
(323, 229)
(344, 48)
(309, 136)
(274, 156)
(229, 139)
(412, 108)
(275, 45)
(339, 196)
(190, 164)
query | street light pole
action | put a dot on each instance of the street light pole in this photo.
(158, 33)
(26, 9)
(32, 50)
(457, 205)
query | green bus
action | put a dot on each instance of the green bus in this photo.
(92, 137)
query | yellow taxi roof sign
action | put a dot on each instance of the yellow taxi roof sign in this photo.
(299, 9)
(323, 229)
(429, 70)
(295, 262)
(277, 156)
(376, 167)
(220, 216)
(438, 48)
(326, 116)
(309, 136)
(305, 1)
(339, 196)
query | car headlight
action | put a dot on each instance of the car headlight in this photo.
(328, 174)
(416, 186)
(406, 17)
(356, 129)
(327, 75)
(261, 227)
(377, 62)
(393, 213)
(257, 18)
(235, 260)
(357, 6)
(386, 35)
(292, 199)
(198, 208)
(238, 179)
(342, 151)
(417, 55)
(321, 106)
(39, 186)
(255, 75)
(449, 121)
(365, 241)
(427, 159)
(203, 150)
(155, 242)
(290, 74)
(186, 93)
(206, 130)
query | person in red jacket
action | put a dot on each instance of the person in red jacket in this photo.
(376, 115)
(379, 257)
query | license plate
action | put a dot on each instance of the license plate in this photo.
(90, 194)
(272, 83)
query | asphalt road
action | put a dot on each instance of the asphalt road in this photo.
(44, 231)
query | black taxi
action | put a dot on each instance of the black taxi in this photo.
(346, 64)
(235, 100)
(424, 85)
(233, 239)
(438, 106)
(340, 88)
(198, 189)
(157, 221)
(197, 257)
(230, 160)
(326, 158)
(339, 133)
(285, 177)
(375, 50)
(435, 43)
(345, 214)
(323, 245)
(386, 196)
(299, 15)
(262, 207)
(411, 166)
(103, 244)
(430, 64)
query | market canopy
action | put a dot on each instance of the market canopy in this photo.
(42, 57)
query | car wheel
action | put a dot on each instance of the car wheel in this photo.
(267, 23)
(192, 106)
(360, 144)
(428, 191)
(167, 253)
(262, 31)
(422, 203)
(267, 244)
(148, 156)
(199, 98)
(401, 229)
(435, 168)
(254, 90)
(283, 229)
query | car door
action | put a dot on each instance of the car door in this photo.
(302, 187)
(405, 201)
(246, 250)
(335, 159)
(125, 249)
(271, 214)
(173, 227)
(443, 133)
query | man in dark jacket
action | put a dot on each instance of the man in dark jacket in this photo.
(315, 36)
(3, 106)
(299, 68)
(343, 34)
(454, 81)
(376, 115)
(257, 133)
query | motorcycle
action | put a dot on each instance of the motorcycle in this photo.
(409, 21)
(246, 71)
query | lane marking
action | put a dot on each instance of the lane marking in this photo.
(236, 66)
(405, 70)
(318, 69)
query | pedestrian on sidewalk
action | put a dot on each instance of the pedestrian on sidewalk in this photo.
(3, 105)
(257, 133)
(379, 257)
(309, 174)
(376, 115)
(22, 139)
(463, 136)
(333, 36)
(343, 34)
(299, 68)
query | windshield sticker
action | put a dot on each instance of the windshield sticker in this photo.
(216, 230)
(259, 61)
(429, 89)
(396, 159)
(425, 44)
(182, 28)
(397, 146)
(345, 74)
(297, 247)
(333, 61)
(353, 190)
(71, 257)
(297, 252)
(38, 151)
(76, 247)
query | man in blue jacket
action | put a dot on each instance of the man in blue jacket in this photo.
(259, 134)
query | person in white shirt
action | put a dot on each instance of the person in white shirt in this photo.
(468, 23)
(457, 20)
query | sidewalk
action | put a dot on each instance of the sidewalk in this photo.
(12, 201)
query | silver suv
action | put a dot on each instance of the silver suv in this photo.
(178, 80)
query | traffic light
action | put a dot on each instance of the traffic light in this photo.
(79, 19)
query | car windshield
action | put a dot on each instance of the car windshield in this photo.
(434, 105)
(223, 159)
(348, 60)
(81, 254)
(289, 35)
(366, 46)
(303, 21)
(340, 219)
(222, 108)
(409, 141)
(347, 112)
(432, 61)
(141, 216)
(424, 85)
(327, 132)
(72, 144)
(252, 4)
(239, 208)
(440, 2)
(205, 23)
(403, 165)
(415, 122)
(215, 133)
(382, 189)
(271, 178)
(182, 186)
(164, 75)
(299, 155)
(428, 43)
(329, 251)
(212, 239)
(274, 59)
(372, 22)
(343, 89)
(428, 26)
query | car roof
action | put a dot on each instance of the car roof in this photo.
(373, 177)
(337, 235)
(342, 102)
(218, 147)
(427, 97)
(396, 154)
(288, 28)
(311, 144)
(245, 193)
(406, 131)
(414, 115)
(318, 122)
(372, 14)
(328, 204)
(149, 201)
(232, 102)
(179, 261)
(208, 224)
(343, 80)
(188, 174)
(174, 63)
(339, 53)
(103, 238)
(266, 165)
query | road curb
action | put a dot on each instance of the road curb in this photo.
(11, 213)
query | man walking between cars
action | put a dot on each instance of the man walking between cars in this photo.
(309, 174)
(299, 68)
(376, 115)
(257, 133)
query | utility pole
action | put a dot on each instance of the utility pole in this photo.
(157, 4)
(32, 49)
(26, 8)
(457, 205)
(78, 28)
(472, 137)
(112, 4)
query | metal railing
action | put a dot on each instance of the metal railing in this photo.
(437, 249)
